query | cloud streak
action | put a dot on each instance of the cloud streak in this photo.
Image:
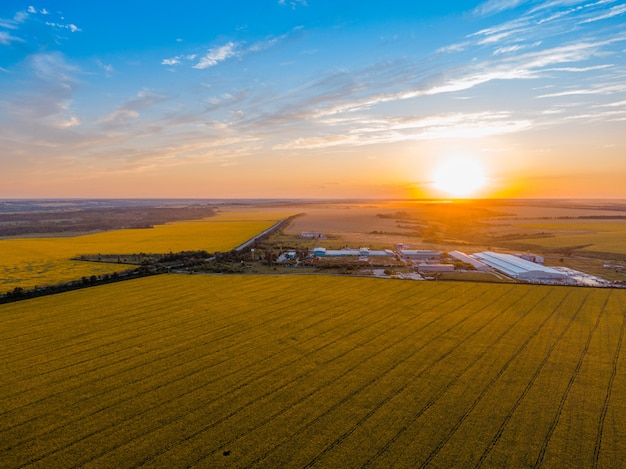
(7, 39)
(496, 6)
(217, 55)
(375, 131)
(130, 110)
(72, 27)
(615, 11)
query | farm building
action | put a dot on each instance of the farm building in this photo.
(287, 256)
(461, 256)
(312, 235)
(531, 257)
(361, 252)
(419, 255)
(516, 267)
(434, 268)
(319, 252)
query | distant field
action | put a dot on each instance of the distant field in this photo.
(602, 236)
(353, 224)
(301, 371)
(29, 262)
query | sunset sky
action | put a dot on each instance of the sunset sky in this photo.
(311, 98)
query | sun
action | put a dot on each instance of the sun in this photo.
(459, 177)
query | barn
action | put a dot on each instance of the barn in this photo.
(518, 268)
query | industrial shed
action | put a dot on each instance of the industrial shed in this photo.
(461, 256)
(420, 255)
(361, 252)
(518, 268)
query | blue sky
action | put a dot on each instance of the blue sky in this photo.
(273, 98)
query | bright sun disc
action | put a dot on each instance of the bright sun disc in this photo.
(459, 177)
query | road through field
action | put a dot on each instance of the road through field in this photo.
(314, 371)
(29, 262)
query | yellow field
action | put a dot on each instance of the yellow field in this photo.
(603, 236)
(302, 371)
(29, 262)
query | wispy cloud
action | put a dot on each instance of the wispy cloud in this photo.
(293, 3)
(73, 121)
(130, 110)
(520, 67)
(596, 90)
(172, 61)
(20, 17)
(615, 104)
(509, 49)
(217, 55)
(491, 7)
(266, 44)
(614, 11)
(7, 39)
(32, 30)
(108, 68)
(32, 9)
(40, 97)
(372, 131)
(179, 59)
(72, 27)
(581, 69)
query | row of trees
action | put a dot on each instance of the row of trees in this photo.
(19, 293)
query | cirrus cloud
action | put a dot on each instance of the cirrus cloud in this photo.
(217, 55)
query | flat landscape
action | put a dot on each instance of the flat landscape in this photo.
(589, 235)
(30, 262)
(302, 371)
(293, 234)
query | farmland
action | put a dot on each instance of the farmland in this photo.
(302, 371)
(607, 237)
(582, 235)
(28, 262)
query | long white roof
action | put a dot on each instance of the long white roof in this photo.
(515, 266)
(461, 256)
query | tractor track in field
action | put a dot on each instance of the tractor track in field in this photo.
(85, 334)
(106, 320)
(609, 391)
(108, 364)
(337, 357)
(383, 374)
(428, 405)
(177, 397)
(482, 394)
(528, 386)
(570, 383)
(164, 357)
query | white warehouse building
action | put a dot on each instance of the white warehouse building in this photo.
(419, 255)
(461, 256)
(516, 267)
(361, 252)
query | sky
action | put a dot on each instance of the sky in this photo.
(311, 98)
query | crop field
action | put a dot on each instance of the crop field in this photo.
(601, 236)
(303, 371)
(28, 262)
